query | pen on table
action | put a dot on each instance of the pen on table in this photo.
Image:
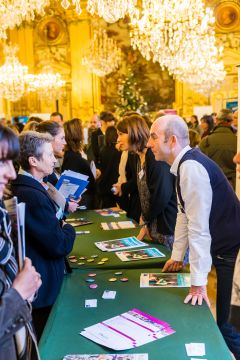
(82, 232)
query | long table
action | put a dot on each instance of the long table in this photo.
(69, 317)
(84, 244)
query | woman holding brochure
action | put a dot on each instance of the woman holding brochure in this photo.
(156, 184)
(48, 239)
(58, 142)
(74, 161)
(17, 288)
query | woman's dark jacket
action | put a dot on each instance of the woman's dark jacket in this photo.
(47, 242)
(163, 200)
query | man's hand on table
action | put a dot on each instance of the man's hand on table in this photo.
(172, 266)
(196, 295)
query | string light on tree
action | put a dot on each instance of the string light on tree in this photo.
(130, 97)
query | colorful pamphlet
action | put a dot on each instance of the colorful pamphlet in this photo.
(163, 280)
(72, 184)
(120, 244)
(115, 212)
(107, 357)
(128, 330)
(141, 254)
(118, 225)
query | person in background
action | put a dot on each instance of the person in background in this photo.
(48, 239)
(18, 124)
(17, 287)
(235, 121)
(206, 124)
(34, 118)
(194, 138)
(57, 117)
(93, 125)
(107, 119)
(156, 185)
(221, 145)
(207, 220)
(214, 117)
(73, 159)
(234, 317)
(58, 142)
(31, 125)
(193, 123)
(109, 159)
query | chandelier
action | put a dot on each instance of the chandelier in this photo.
(12, 76)
(14, 12)
(180, 36)
(77, 3)
(112, 10)
(103, 55)
(47, 84)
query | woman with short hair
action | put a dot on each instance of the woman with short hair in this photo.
(48, 239)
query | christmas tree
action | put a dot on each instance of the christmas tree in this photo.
(130, 97)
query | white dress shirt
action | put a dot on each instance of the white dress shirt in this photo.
(192, 227)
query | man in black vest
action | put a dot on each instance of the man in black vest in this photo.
(208, 220)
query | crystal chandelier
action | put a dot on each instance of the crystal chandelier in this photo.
(165, 25)
(103, 55)
(14, 12)
(47, 84)
(77, 3)
(180, 36)
(112, 10)
(12, 76)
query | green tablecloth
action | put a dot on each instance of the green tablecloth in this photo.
(84, 244)
(69, 317)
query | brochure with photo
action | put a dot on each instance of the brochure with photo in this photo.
(163, 280)
(107, 357)
(120, 244)
(118, 225)
(128, 330)
(141, 254)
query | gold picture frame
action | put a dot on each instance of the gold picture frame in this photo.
(51, 30)
(227, 16)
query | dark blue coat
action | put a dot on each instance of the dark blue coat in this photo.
(47, 242)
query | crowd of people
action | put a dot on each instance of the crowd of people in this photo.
(182, 196)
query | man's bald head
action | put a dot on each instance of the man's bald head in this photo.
(172, 125)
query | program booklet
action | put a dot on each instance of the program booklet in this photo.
(163, 280)
(107, 357)
(141, 254)
(118, 225)
(128, 330)
(72, 184)
(120, 244)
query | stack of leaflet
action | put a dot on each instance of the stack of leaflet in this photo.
(128, 330)
(120, 244)
(72, 184)
(107, 357)
(17, 215)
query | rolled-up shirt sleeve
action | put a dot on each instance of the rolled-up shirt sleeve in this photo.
(192, 228)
